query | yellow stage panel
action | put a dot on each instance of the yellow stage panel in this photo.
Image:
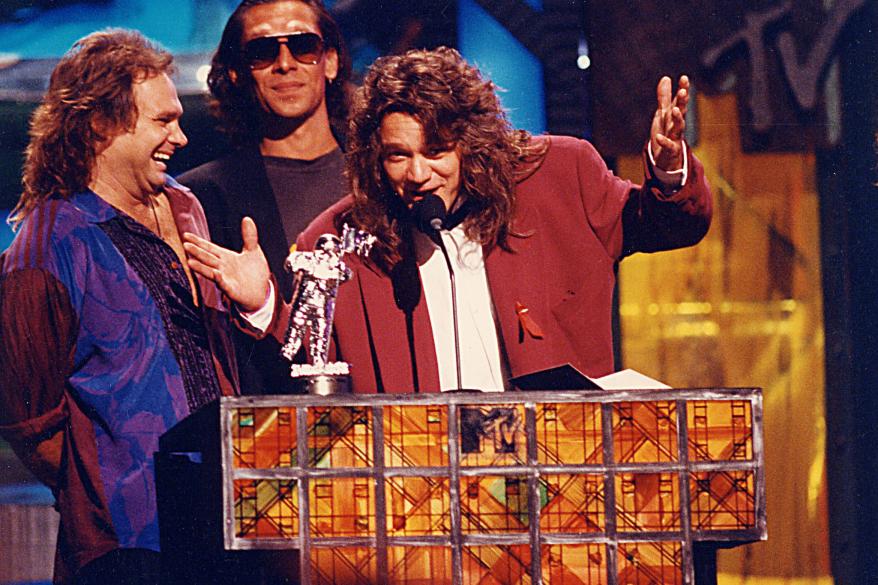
(266, 508)
(418, 506)
(645, 432)
(573, 503)
(569, 433)
(649, 563)
(648, 502)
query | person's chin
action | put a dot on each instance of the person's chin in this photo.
(158, 182)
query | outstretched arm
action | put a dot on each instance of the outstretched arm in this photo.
(242, 276)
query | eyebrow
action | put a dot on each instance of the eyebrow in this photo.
(167, 113)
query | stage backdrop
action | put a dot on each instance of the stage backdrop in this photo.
(743, 308)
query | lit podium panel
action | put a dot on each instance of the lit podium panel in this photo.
(603, 487)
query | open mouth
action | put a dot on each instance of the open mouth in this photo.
(161, 157)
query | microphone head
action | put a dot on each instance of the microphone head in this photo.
(429, 214)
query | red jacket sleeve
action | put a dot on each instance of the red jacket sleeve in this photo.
(37, 343)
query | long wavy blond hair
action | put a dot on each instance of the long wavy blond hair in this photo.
(89, 100)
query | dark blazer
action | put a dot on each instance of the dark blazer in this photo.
(229, 189)
(236, 186)
(581, 220)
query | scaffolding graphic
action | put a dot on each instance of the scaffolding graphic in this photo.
(609, 487)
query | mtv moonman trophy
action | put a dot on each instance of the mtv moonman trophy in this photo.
(319, 274)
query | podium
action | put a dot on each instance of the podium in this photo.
(605, 487)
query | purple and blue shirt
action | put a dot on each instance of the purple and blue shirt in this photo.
(100, 338)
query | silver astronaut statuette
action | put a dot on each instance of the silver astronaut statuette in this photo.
(318, 275)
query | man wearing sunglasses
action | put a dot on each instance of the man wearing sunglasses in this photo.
(277, 83)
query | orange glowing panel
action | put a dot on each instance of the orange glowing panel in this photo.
(340, 436)
(650, 563)
(493, 504)
(419, 565)
(266, 508)
(720, 430)
(647, 502)
(415, 436)
(645, 432)
(572, 503)
(418, 506)
(342, 506)
(569, 434)
(344, 565)
(264, 438)
(574, 564)
(496, 565)
(723, 500)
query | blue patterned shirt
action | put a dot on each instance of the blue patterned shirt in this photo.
(101, 339)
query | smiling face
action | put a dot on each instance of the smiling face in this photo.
(414, 168)
(287, 88)
(134, 162)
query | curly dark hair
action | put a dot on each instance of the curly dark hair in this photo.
(455, 105)
(236, 105)
(90, 99)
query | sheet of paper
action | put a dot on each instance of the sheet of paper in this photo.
(628, 379)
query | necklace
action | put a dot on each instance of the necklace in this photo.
(155, 216)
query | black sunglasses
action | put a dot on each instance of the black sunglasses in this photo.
(305, 47)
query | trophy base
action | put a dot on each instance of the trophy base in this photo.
(322, 384)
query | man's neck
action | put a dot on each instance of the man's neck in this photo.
(311, 139)
(114, 193)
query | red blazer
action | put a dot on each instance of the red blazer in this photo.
(581, 218)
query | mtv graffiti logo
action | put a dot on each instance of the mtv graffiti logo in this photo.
(501, 425)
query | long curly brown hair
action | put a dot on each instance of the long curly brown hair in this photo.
(236, 105)
(455, 105)
(90, 99)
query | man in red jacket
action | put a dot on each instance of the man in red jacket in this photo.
(534, 230)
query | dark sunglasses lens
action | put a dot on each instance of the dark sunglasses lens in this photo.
(261, 52)
(306, 47)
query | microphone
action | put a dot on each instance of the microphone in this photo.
(429, 215)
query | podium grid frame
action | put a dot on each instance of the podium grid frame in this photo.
(616, 418)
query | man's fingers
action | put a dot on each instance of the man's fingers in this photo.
(249, 234)
(201, 255)
(201, 268)
(663, 92)
(197, 240)
(670, 149)
(676, 125)
(202, 244)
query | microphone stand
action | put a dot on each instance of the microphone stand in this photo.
(441, 244)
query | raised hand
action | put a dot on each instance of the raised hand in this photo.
(243, 276)
(668, 124)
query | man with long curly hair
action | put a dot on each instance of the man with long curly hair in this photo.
(535, 228)
(278, 87)
(107, 338)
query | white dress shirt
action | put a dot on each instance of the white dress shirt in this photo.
(479, 348)
(480, 363)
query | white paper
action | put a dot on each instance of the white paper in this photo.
(628, 379)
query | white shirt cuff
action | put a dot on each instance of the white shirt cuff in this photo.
(260, 319)
(670, 180)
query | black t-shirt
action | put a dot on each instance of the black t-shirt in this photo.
(304, 188)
